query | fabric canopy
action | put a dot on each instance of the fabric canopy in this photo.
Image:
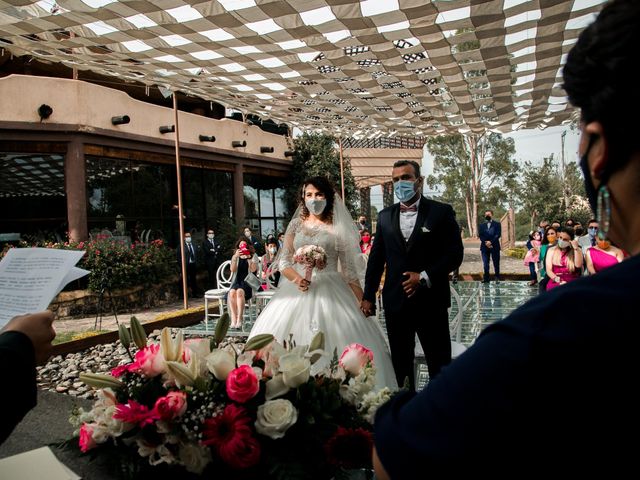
(355, 68)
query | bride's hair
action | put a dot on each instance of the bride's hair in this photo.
(324, 186)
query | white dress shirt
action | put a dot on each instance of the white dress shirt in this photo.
(408, 220)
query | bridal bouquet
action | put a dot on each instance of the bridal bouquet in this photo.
(260, 413)
(310, 256)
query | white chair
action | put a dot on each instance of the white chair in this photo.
(262, 298)
(223, 277)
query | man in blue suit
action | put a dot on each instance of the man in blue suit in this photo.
(490, 233)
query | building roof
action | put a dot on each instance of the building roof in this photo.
(355, 68)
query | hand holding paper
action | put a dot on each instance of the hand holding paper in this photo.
(30, 278)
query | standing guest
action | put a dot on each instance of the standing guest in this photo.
(542, 228)
(490, 233)
(548, 240)
(24, 343)
(569, 222)
(551, 387)
(418, 240)
(253, 240)
(602, 255)
(556, 225)
(363, 224)
(563, 263)
(280, 240)
(532, 256)
(191, 263)
(365, 241)
(211, 248)
(243, 261)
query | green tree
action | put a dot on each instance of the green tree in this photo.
(318, 154)
(541, 194)
(472, 170)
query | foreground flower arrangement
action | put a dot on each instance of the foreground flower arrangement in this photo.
(268, 412)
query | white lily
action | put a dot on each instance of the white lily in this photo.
(171, 348)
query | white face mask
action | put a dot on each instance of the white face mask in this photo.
(272, 251)
(562, 243)
(187, 239)
(316, 206)
(210, 235)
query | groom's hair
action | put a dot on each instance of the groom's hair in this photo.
(324, 186)
(403, 163)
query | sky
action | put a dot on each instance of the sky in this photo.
(532, 145)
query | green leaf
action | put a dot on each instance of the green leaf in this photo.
(221, 328)
(258, 342)
(137, 333)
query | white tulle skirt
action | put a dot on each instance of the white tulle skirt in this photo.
(331, 307)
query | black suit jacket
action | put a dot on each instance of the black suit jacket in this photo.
(434, 246)
(186, 253)
(210, 251)
(492, 235)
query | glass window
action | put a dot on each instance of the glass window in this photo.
(281, 205)
(32, 196)
(250, 201)
(266, 203)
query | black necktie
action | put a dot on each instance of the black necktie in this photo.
(190, 253)
(593, 241)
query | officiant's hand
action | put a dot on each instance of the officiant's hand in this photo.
(411, 284)
(38, 327)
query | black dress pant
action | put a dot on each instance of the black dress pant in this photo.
(191, 279)
(495, 256)
(212, 270)
(432, 327)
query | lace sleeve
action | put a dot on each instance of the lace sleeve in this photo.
(284, 259)
(351, 260)
(352, 264)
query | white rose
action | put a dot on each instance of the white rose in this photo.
(194, 457)
(220, 363)
(275, 417)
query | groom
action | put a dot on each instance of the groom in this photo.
(419, 241)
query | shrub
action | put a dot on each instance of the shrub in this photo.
(114, 264)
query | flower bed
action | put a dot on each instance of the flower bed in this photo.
(188, 405)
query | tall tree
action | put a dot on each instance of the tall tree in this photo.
(318, 154)
(473, 169)
(541, 194)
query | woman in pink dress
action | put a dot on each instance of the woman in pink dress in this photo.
(564, 261)
(601, 256)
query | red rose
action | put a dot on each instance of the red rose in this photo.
(350, 448)
(242, 384)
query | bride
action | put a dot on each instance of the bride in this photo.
(330, 301)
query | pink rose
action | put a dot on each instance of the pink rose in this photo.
(242, 384)
(86, 437)
(148, 361)
(172, 406)
(355, 357)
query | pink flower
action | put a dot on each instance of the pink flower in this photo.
(172, 406)
(136, 413)
(230, 434)
(148, 361)
(86, 437)
(120, 369)
(242, 384)
(354, 357)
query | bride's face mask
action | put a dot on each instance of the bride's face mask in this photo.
(314, 200)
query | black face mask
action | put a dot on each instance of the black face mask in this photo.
(488, 218)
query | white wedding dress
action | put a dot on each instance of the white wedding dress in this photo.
(329, 304)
